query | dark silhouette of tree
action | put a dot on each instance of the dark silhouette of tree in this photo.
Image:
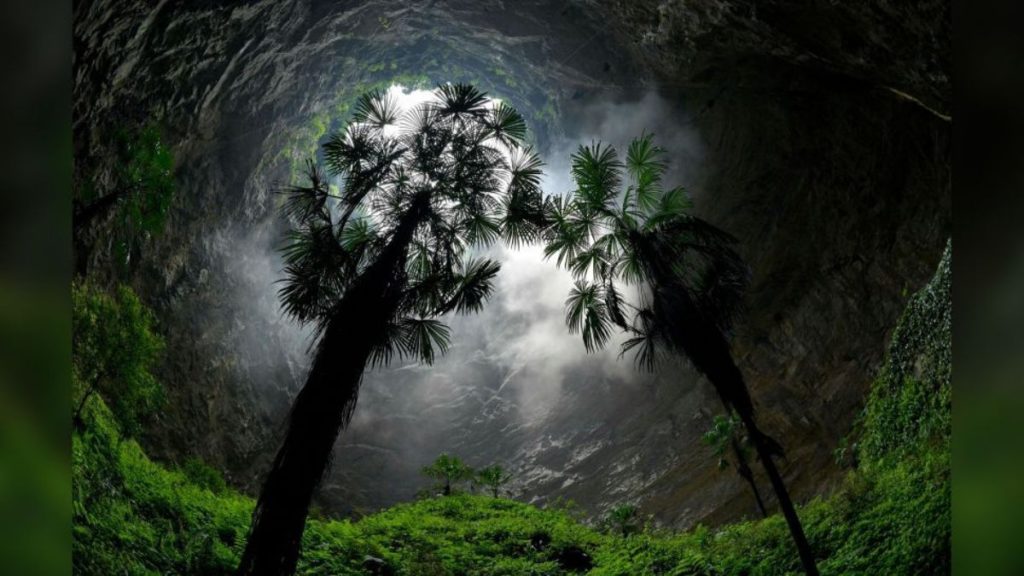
(724, 436)
(375, 265)
(493, 478)
(448, 470)
(687, 278)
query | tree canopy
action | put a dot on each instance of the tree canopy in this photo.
(455, 170)
(448, 470)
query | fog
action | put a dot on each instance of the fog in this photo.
(503, 380)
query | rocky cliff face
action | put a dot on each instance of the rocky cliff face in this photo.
(826, 130)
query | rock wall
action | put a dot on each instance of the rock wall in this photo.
(827, 134)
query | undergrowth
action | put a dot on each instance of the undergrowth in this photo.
(891, 516)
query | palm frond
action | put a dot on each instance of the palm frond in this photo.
(644, 342)
(587, 314)
(306, 204)
(425, 338)
(481, 229)
(597, 172)
(377, 108)
(588, 262)
(460, 100)
(523, 207)
(307, 293)
(506, 125)
(644, 161)
(345, 151)
(392, 344)
(358, 235)
(673, 205)
(472, 286)
(614, 303)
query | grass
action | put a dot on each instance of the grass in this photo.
(891, 516)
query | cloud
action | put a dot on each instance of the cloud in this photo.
(508, 364)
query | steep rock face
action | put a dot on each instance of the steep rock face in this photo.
(826, 128)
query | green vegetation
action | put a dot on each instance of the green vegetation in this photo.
(304, 141)
(911, 403)
(725, 435)
(391, 253)
(139, 190)
(493, 478)
(448, 471)
(620, 226)
(891, 515)
(113, 350)
(623, 520)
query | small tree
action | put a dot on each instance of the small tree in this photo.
(113, 349)
(448, 470)
(138, 192)
(724, 435)
(493, 478)
(623, 519)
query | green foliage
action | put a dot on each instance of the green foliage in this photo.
(138, 192)
(493, 478)
(911, 402)
(132, 516)
(467, 181)
(719, 437)
(891, 516)
(114, 348)
(204, 476)
(146, 168)
(448, 471)
(623, 520)
(622, 226)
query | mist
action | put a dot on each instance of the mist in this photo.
(499, 394)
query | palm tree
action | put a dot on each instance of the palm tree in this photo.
(723, 436)
(685, 280)
(374, 265)
(493, 478)
(448, 470)
(623, 520)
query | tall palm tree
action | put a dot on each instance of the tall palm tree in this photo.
(685, 280)
(374, 265)
(723, 436)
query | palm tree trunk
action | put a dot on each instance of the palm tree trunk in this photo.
(319, 413)
(743, 469)
(742, 466)
(324, 407)
(785, 503)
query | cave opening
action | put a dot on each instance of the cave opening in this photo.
(838, 192)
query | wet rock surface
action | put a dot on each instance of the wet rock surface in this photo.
(826, 129)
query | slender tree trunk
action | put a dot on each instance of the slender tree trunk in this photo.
(743, 469)
(795, 528)
(711, 355)
(323, 408)
(77, 418)
(742, 466)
